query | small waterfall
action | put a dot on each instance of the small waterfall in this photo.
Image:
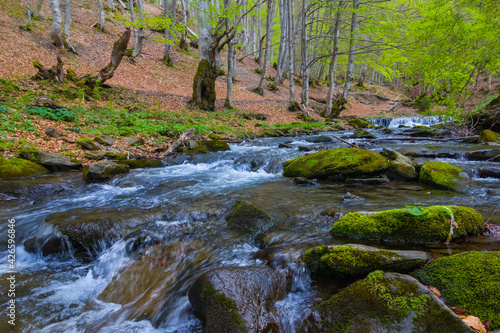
(409, 121)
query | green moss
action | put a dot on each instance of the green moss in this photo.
(489, 136)
(103, 172)
(342, 161)
(87, 144)
(142, 163)
(18, 167)
(223, 311)
(116, 156)
(216, 145)
(201, 149)
(470, 280)
(398, 225)
(360, 123)
(247, 216)
(441, 175)
(204, 86)
(347, 261)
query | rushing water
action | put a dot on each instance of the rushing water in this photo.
(181, 209)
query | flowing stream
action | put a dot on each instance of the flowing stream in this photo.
(181, 209)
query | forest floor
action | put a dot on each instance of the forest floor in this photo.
(148, 98)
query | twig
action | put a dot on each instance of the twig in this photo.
(493, 158)
(494, 211)
(183, 137)
(344, 141)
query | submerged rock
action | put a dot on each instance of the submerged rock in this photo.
(443, 176)
(248, 217)
(237, 299)
(100, 172)
(400, 166)
(482, 155)
(388, 302)
(492, 172)
(355, 260)
(470, 280)
(17, 167)
(400, 225)
(50, 161)
(341, 162)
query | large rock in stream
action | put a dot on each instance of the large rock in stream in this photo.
(100, 172)
(17, 168)
(356, 260)
(431, 225)
(51, 161)
(336, 163)
(388, 302)
(470, 280)
(245, 216)
(443, 176)
(400, 166)
(237, 299)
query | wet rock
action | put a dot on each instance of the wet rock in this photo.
(352, 198)
(134, 141)
(95, 156)
(401, 225)
(486, 172)
(400, 166)
(237, 299)
(24, 190)
(482, 155)
(305, 148)
(100, 172)
(285, 145)
(51, 161)
(18, 167)
(427, 153)
(360, 123)
(355, 260)
(443, 176)
(319, 139)
(215, 145)
(157, 276)
(104, 140)
(192, 144)
(342, 162)
(305, 181)
(388, 302)
(488, 136)
(53, 133)
(387, 131)
(470, 280)
(87, 144)
(114, 155)
(248, 217)
(361, 134)
(142, 163)
(378, 180)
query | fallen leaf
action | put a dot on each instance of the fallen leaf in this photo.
(459, 311)
(435, 291)
(475, 323)
(455, 224)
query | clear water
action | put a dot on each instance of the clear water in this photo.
(182, 207)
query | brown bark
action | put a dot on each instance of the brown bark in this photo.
(54, 74)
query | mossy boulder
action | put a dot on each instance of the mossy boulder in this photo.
(51, 161)
(134, 141)
(400, 166)
(470, 280)
(355, 260)
(95, 155)
(245, 216)
(362, 134)
(341, 162)
(482, 155)
(87, 144)
(237, 299)
(142, 163)
(104, 140)
(215, 145)
(116, 156)
(100, 172)
(360, 123)
(388, 302)
(200, 149)
(18, 167)
(443, 175)
(319, 139)
(401, 225)
(488, 136)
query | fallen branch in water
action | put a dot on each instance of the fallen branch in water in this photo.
(182, 138)
(493, 158)
(344, 141)
(424, 138)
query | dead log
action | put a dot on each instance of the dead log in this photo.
(396, 106)
(344, 141)
(53, 74)
(182, 138)
(304, 110)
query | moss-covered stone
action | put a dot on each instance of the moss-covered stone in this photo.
(388, 302)
(489, 136)
(247, 216)
(115, 156)
(360, 123)
(342, 162)
(361, 134)
(400, 166)
(399, 225)
(87, 144)
(18, 167)
(100, 172)
(354, 260)
(142, 163)
(470, 280)
(94, 155)
(216, 145)
(51, 161)
(442, 175)
(104, 140)
(201, 149)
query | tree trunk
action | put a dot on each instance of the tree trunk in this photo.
(29, 12)
(333, 63)
(167, 55)
(133, 19)
(102, 21)
(55, 30)
(304, 56)
(271, 4)
(38, 8)
(291, 50)
(282, 49)
(352, 48)
(111, 5)
(67, 26)
(231, 56)
(140, 35)
(183, 43)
